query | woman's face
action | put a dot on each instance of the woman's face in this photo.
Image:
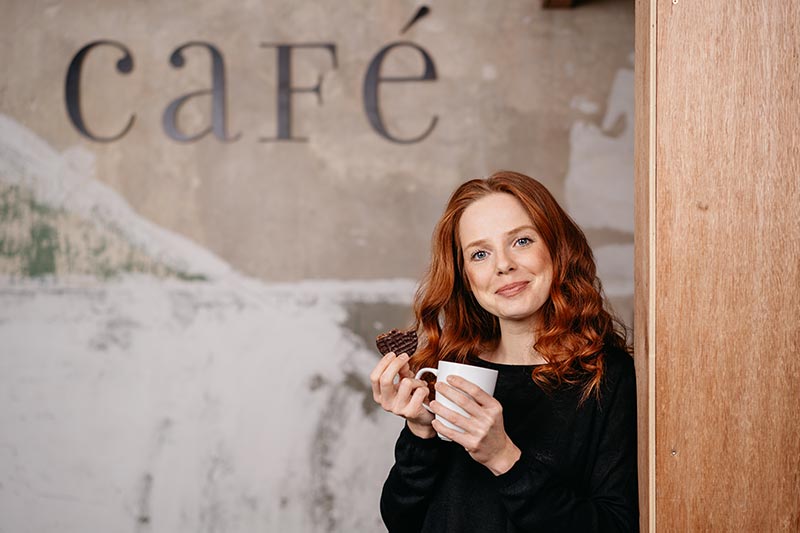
(508, 266)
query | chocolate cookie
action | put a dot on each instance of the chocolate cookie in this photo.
(398, 342)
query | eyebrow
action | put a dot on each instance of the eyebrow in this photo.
(508, 233)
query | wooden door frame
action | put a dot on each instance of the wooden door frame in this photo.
(644, 253)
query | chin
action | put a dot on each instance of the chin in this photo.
(518, 313)
(519, 316)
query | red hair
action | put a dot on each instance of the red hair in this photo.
(575, 327)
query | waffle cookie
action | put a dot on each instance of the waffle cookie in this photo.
(397, 341)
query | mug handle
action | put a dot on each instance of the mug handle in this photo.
(422, 371)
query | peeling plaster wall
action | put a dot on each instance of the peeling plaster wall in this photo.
(186, 330)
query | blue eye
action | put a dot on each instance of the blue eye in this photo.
(524, 241)
(478, 256)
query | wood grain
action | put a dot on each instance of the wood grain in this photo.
(727, 279)
(644, 248)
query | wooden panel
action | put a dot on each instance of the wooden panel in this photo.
(644, 248)
(728, 273)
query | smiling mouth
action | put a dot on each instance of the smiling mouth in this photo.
(512, 289)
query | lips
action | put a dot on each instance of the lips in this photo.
(512, 289)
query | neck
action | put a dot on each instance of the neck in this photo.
(516, 344)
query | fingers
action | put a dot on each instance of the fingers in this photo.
(386, 386)
(407, 387)
(392, 370)
(404, 391)
(470, 388)
(378, 371)
(453, 434)
(418, 398)
(457, 419)
(405, 371)
(477, 414)
(460, 398)
(472, 430)
(414, 405)
(375, 375)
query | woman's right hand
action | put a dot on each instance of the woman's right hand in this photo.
(404, 396)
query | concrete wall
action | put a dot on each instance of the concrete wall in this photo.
(186, 328)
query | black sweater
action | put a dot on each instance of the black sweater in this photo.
(577, 471)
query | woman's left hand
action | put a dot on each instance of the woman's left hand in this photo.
(484, 436)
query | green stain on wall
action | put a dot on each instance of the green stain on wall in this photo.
(39, 240)
(40, 254)
(9, 204)
(188, 276)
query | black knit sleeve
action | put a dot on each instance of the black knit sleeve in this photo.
(406, 492)
(537, 500)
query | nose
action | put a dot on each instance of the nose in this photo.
(505, 263)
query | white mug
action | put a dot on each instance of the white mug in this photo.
(485, 378)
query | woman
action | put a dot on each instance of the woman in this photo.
(512, 286)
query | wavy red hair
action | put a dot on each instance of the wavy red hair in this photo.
(575, 326)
